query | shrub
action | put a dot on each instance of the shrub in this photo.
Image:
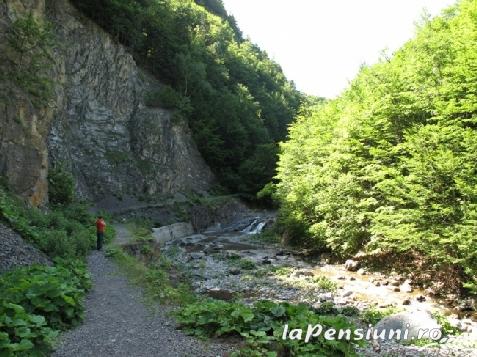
(53, 292)
(373, 315)
(56, 243)
(325, 283)
(65, 231)
(22, 333)
(262, 326)
(61, 186)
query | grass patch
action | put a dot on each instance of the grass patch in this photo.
(373, 315)
(325, 284)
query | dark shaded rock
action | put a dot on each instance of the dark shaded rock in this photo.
(421, 298)
(234, 271)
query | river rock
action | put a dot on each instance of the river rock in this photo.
(220, 294)
(421, 298)
(197, 255)
(303, 273)
(234, 271)
(413, 321)
(466, 306)
(406, 287)
(347, 293)
(351, 265)
(173, 231)
(326, 297)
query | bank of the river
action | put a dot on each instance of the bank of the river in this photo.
(230, 262)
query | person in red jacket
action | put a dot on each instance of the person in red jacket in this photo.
(100, 227)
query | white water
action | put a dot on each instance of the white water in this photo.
(255, 227)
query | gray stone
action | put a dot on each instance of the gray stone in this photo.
(197, 255)
(413, 321)
(347, 293)
(326, 297)
(406, 287)
(171, 232)
(15, 252)
(351, 265)
(234, 271)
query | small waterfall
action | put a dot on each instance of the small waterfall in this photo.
(258, 228)
(255, 227)
(250, 227)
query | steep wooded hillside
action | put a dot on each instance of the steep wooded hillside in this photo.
(390, 167)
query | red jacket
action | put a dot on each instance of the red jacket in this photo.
(100, 226)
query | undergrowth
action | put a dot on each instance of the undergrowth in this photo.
(39, 301)
(262, 327)
(36, 303)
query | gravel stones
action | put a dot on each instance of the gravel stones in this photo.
(117, 323)
(15, 252)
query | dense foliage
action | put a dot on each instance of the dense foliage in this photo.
(65, 231)
(262, 326)
(35, 303)
(60, 186)
(236, 100)
(391, 165)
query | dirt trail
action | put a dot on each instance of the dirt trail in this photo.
(117, 323)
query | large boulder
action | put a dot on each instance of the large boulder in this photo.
(351, 265)
(173, 231)
(418, 324)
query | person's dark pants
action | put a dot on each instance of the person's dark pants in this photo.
(99, 240)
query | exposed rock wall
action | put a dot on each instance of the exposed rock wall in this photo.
(23, 126)
(98, 125)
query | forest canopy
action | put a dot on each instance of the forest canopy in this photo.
(390, 166)
(235, 99)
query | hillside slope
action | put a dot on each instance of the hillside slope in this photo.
(390, 167)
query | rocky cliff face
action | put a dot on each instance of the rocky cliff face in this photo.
(23, 125)
(97, 125)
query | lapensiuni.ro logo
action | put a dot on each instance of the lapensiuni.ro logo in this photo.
(370, 333)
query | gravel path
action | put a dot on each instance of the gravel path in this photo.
(117, 323)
